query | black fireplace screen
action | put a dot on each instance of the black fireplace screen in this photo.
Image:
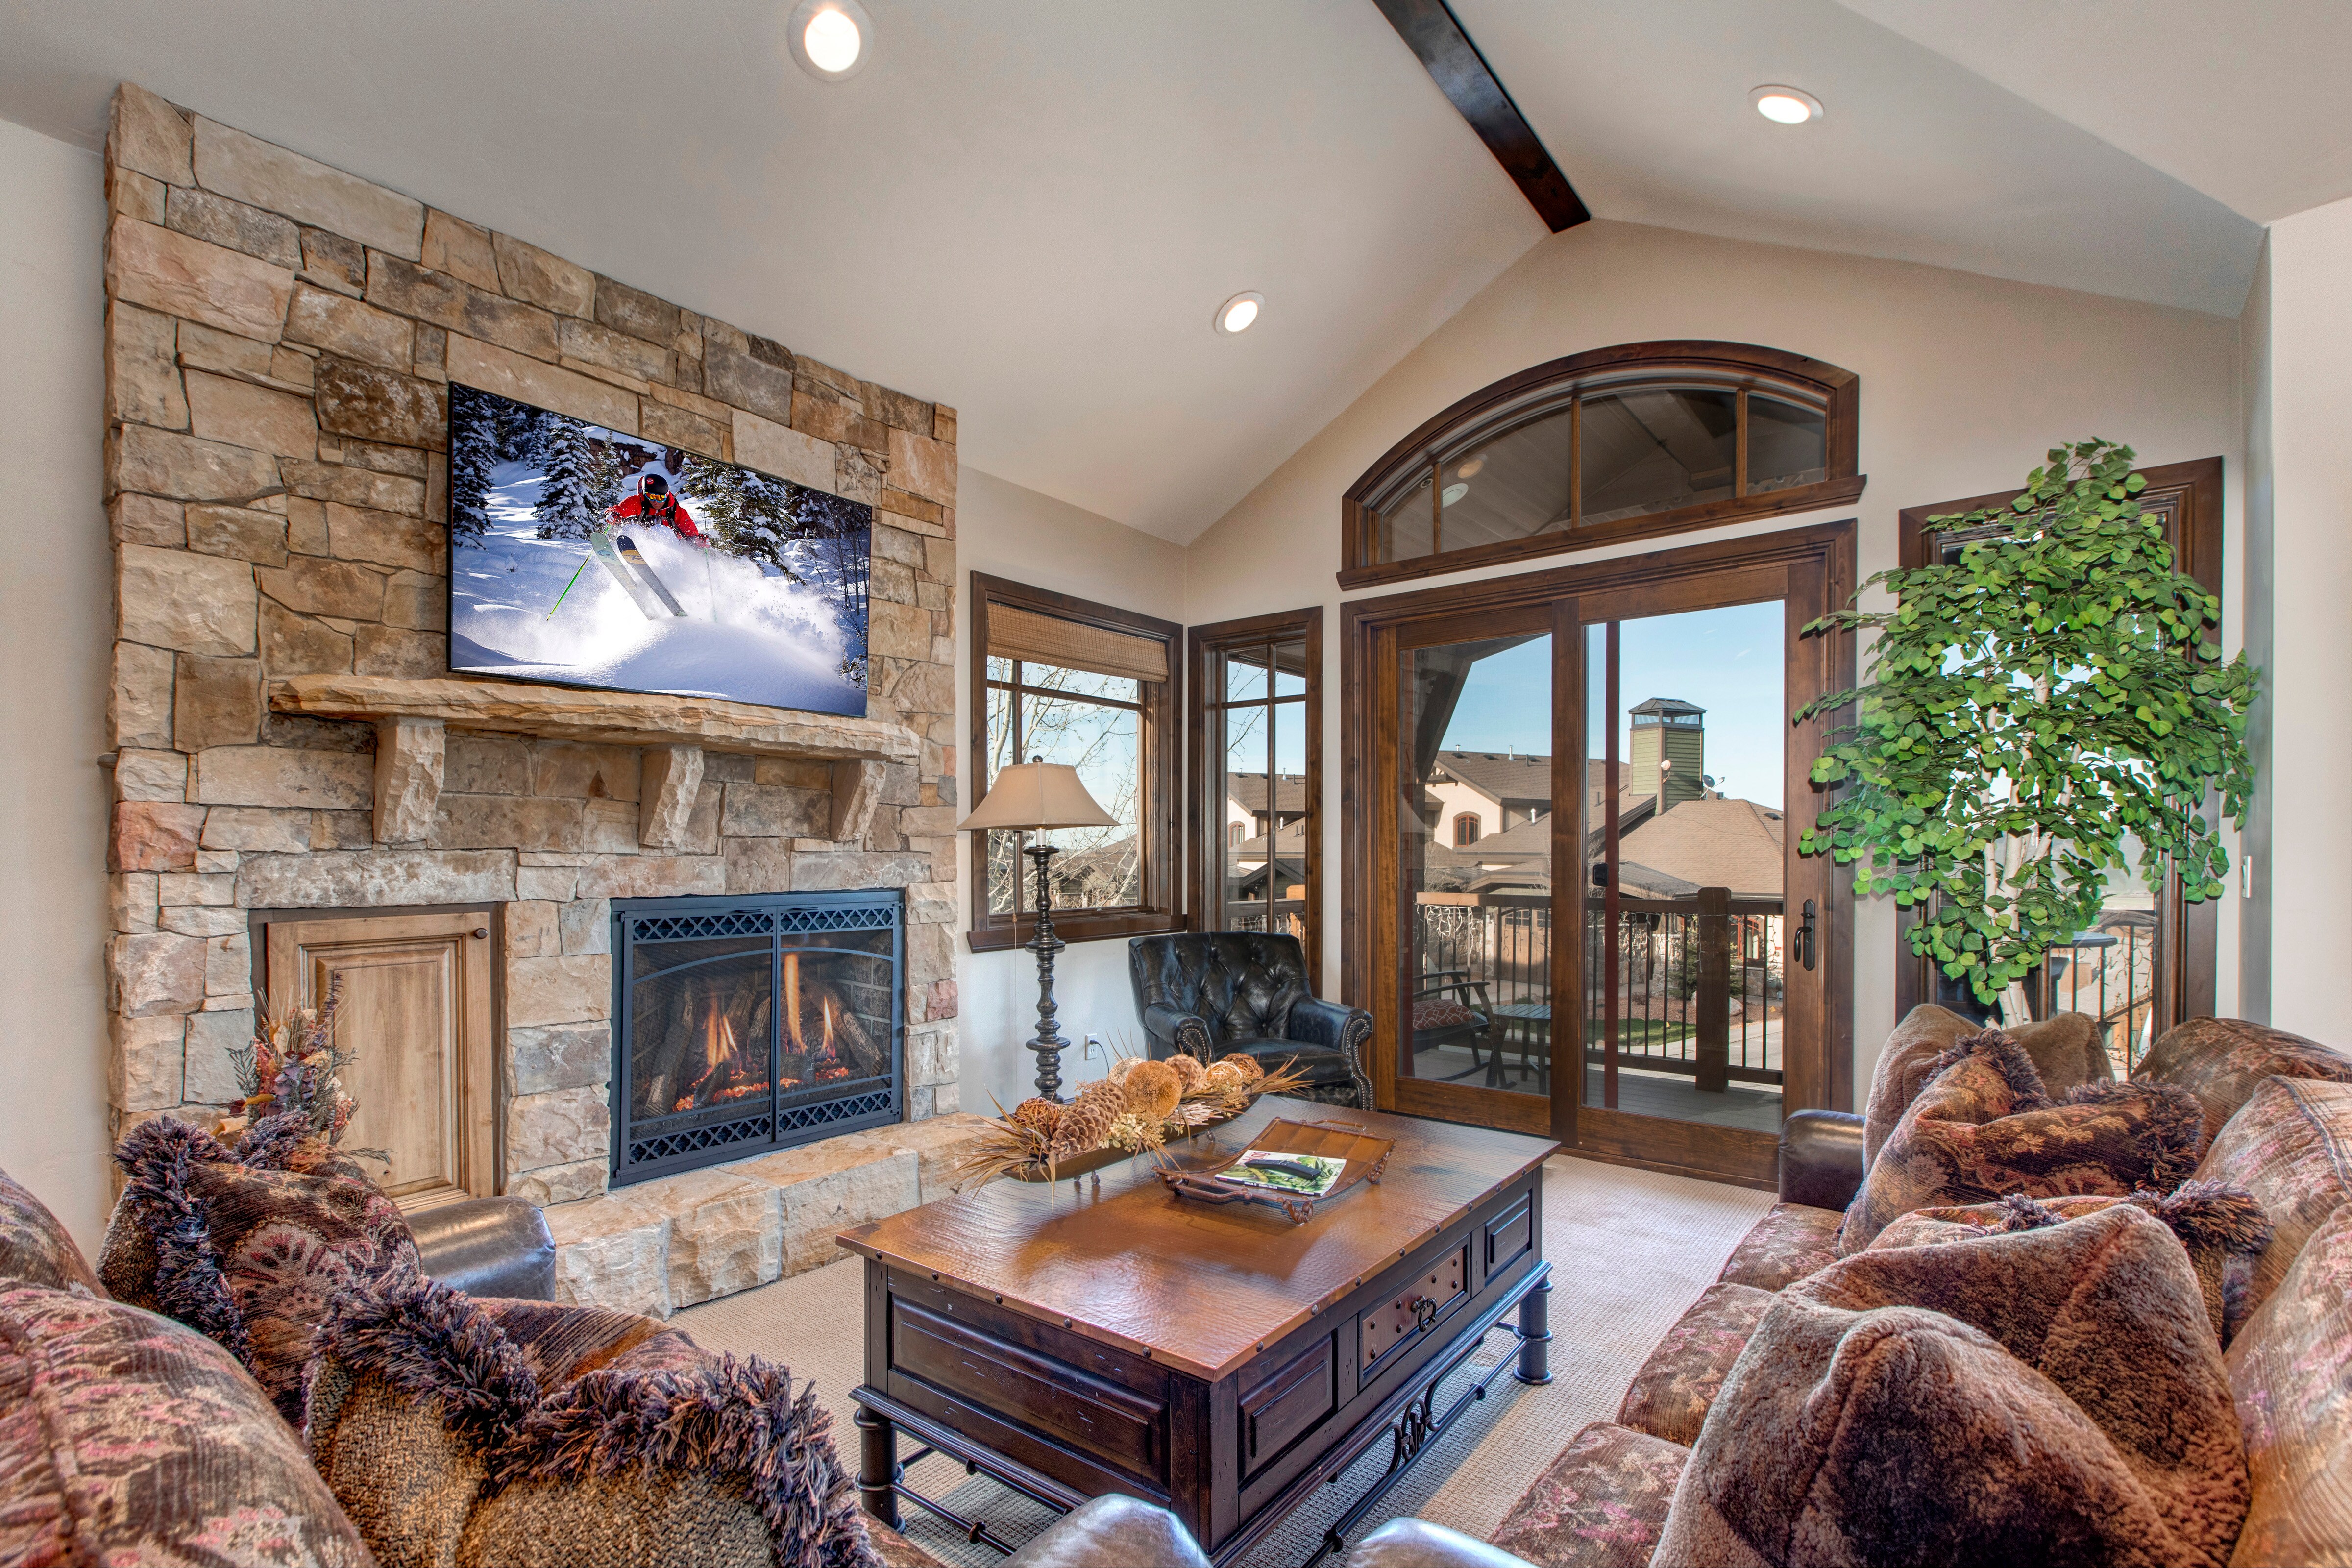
(750, 1023)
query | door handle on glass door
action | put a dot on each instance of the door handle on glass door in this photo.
(1805, 937)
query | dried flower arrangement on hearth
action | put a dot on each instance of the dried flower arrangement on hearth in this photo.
(295, 1065)
(1135, 1109)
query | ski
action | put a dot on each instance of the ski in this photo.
(630, 554)
(600, 542)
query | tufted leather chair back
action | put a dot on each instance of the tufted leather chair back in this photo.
(1244, 983)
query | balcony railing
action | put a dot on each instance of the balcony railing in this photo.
(1682, 1007)
(1667, 999)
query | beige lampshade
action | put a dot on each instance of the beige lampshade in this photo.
(1033, 795)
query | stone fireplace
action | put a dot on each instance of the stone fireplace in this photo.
(280, 336)
(746, 1024)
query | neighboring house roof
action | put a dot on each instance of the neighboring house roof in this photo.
(1733, 843)
(1666, 706)
(1105, 866)
(1501, 775)
(1248, 791)
(1289, 842)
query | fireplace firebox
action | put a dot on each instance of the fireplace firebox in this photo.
(750, 1023)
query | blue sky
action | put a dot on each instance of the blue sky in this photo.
(1726, 660)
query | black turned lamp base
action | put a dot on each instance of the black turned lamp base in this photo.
(1048, 1043)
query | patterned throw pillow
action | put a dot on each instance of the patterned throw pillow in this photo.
(583, 1436)
(2221, 1228)
(2224, 1061)
(124, 1437)
(1440, 1013)
(2065, 1050)
(246, 1254)
(35, 1248)
(1982, 1128)
(2048, 1395)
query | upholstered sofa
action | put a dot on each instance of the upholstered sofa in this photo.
(262, 1369)
(1204, 994)
(2277, 1121)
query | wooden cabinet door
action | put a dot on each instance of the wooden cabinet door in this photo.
(416, 1013)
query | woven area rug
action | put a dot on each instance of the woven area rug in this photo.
(1628, 1249)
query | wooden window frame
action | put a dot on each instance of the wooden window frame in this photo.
(1203, 788)
(1477, 828)
(2187, 955)
(1556, 385)
(1161, 910)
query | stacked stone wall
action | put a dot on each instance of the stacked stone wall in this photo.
(281, 337)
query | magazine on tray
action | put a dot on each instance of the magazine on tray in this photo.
(1276, 1170)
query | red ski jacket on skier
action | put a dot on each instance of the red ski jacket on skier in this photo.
(663, 509)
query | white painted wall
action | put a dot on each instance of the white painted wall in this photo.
(1005, 531)
(1966, 381)
(56, 623)
(2260, 578)
(2301, 396)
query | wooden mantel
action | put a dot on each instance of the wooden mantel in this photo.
(411, 715)
(605, 718)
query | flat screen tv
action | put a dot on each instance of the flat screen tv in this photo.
(584, 556)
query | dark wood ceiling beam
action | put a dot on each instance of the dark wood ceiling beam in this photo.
(1462, 73)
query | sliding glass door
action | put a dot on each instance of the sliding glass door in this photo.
(1475, 775)
(1588, 916)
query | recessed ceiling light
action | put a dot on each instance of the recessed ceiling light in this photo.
(1236, 314)
(1785, 105)
(832, 39)
(1452, 493)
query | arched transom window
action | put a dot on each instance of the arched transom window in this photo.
(1621, 442)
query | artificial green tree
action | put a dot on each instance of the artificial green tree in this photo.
(2030, 709)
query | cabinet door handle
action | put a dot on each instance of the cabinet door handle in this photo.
(481, 932)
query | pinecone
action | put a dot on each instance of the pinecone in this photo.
(1188, 1072)
(1086, 1121)
(1223, 1076)
(1038, 1114)
(1251, 1070)
(1152, 1090)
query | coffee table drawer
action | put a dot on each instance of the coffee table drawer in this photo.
(1416, 1309)
(1048, 1395)
(1295, 1397)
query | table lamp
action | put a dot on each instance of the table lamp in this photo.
(1030, 797)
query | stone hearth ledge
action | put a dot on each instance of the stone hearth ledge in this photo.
(676, 1240)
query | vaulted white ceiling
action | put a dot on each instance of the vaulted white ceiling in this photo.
(1029, 209)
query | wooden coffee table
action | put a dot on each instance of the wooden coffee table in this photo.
(1101, 1336)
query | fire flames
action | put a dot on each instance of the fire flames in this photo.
(727, 1074)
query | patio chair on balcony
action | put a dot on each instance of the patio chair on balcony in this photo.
(1451, 1005)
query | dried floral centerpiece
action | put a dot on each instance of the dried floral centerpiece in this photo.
(294, 1064)
(1135, 1109)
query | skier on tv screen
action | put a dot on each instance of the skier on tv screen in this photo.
(654, 503)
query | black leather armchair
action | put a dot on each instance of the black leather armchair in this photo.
(1205, 993)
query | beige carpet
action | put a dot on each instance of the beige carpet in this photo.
(1629, 1251)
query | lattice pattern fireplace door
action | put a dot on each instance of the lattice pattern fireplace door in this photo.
(749, 1022)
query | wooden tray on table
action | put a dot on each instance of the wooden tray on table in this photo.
(1366, 1157)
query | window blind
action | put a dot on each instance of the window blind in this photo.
(1034, 638)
